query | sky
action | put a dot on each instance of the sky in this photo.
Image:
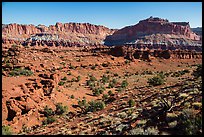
(114, 15)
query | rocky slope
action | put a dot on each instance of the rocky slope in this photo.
(154, 30)
(60, 34)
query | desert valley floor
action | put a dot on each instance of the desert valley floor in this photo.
(99, 93)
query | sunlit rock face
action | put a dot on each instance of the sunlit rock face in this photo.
(61, 34)
(154, 30)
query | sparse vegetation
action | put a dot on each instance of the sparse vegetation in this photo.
(73, 80)
(115, 74)
(112, 83)
(78, 78)
(72, 96)
(105, 79)
(180, 73)
(93, 67)
(61, 83)
(189, 123)
(95, 106)
(119, 89)
(110, 92)
(71, 66)
(48, 111)
(69, 73)
(198, 72)
(105, 97)
(155, 81)
(91, 106)
(131, 103)
(127, 61)
(82, 104)
(20, 71)
(60, 68)
(60, 109)
(64, 78)
(124, 84)
(98, 91)
(49, 120)
(105, 64)
(63, 63)
(6, 130)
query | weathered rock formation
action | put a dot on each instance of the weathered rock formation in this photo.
(154, 31)
(66, 34)
(145, 54)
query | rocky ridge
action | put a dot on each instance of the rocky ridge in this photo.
(154, 30)
(66, 34)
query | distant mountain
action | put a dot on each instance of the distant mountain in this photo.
(197, 30)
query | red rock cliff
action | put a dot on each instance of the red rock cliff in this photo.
(81, 33)
(151, 26)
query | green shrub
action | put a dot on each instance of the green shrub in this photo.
(120, 89)
(111, 85)
(105, 79)
(180, 73)
(114, 81)
(124, 84)
(71, 67)
(63, 63)
(107, 71)
(78, 79)
(48, 111)
(115, 74)
(60, 109)
(198, 72)
(105, 64)
(127, 61)
(60, 68)
(189, 123)
(131, 103)
(92, 78)
(155, 81)
(161, 75)
(91, 106)
(110, 92)
(93, 67)
(49, 120)
(8, 64)
(82, 103)
(6, 130)
(98, 91)
(95, 106)
(72, 96)
(69, 73)
(105, 97)
(64, 78)
(61, 83)
(73, 80)
(20, 71)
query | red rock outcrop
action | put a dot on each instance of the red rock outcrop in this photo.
(152, 26)
(59, 34)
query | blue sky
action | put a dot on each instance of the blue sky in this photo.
(109, 14)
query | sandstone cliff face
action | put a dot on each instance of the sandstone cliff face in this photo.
(148, 27)
(71, 33)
